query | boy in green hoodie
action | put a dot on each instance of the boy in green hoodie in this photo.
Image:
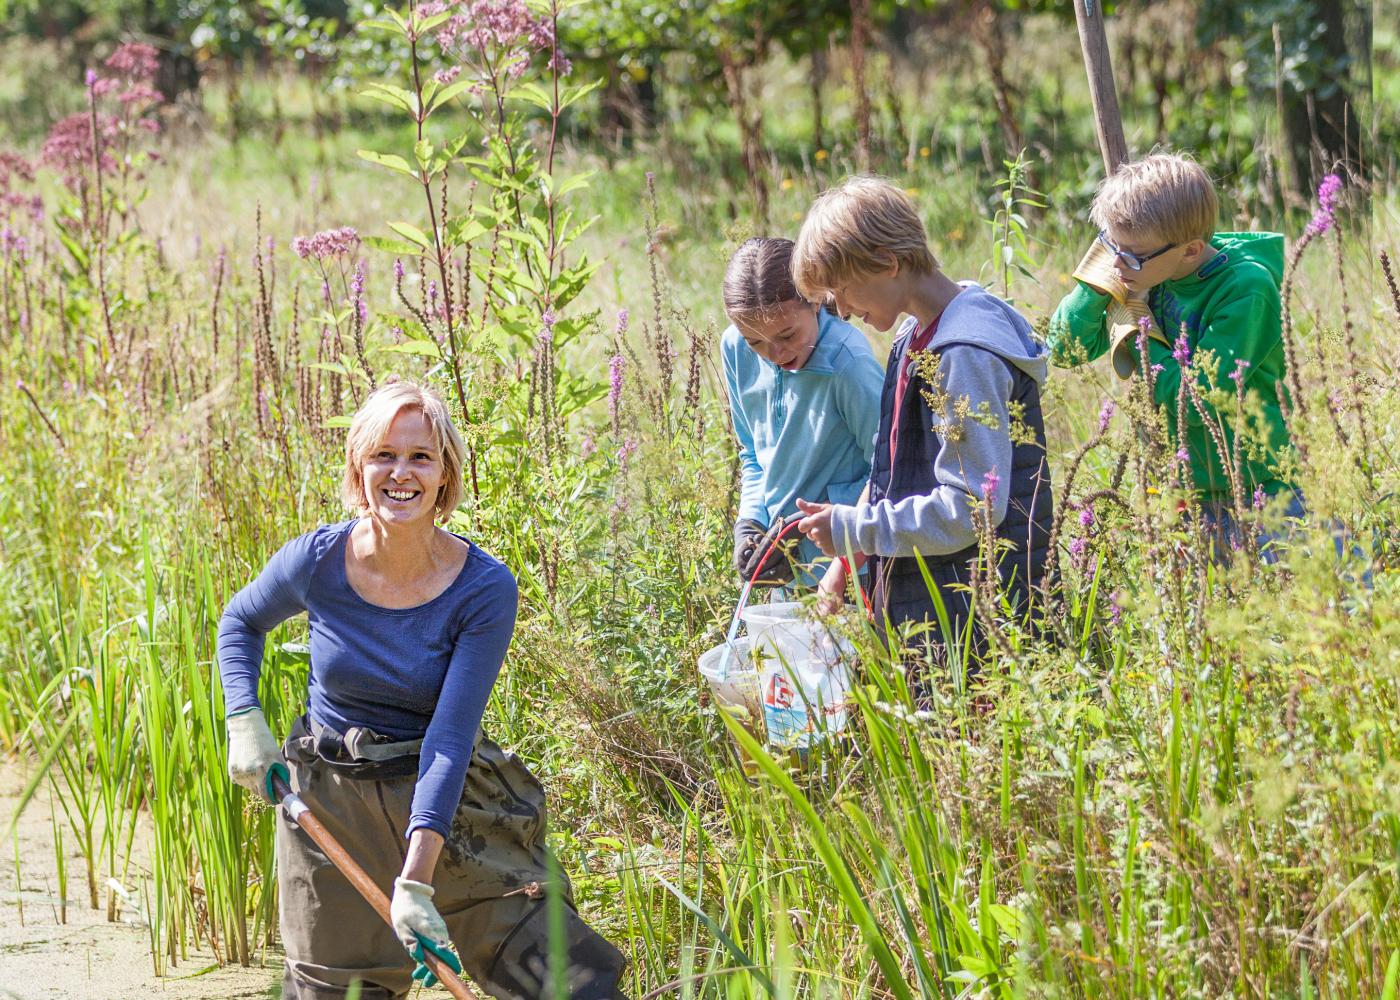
(1159, 274)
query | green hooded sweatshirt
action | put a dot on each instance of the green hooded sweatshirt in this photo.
(1230, 307)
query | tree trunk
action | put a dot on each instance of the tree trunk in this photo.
(860, 27)
(814, 78)
(1323, 125)
(749, 115)
(987, 29)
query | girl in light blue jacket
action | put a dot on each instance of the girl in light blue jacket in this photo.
(804, 392)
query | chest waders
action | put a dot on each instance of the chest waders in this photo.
(491, 878)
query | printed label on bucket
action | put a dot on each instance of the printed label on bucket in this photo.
(784, 714)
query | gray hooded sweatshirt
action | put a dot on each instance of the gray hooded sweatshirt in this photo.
(941, 523)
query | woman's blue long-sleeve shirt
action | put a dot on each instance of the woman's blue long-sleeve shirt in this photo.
(808, 433)
(407, 673)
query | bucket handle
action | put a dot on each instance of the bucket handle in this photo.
(733, 633)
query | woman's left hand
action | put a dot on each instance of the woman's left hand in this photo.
(421, 928)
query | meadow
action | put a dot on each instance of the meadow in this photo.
(1186, 788)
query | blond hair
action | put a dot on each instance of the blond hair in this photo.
(855, 230)
(370, 426)
(1165, 195)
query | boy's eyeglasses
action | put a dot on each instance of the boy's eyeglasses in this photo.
(1133, 261)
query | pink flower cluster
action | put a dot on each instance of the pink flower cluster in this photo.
(68, 147)
(329, 243)
(479, 26)
(130, 70)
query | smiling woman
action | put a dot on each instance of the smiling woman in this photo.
(409, 625)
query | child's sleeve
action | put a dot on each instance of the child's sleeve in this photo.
(1248, 328)
(751, 504)
(278, 593)
(1078, 332)
(858, 400)
(976, 454)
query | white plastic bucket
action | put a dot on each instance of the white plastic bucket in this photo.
(801, 666)
(734, 682)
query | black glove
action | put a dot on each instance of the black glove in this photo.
(751, 541)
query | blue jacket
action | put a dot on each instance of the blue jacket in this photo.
(808, 433)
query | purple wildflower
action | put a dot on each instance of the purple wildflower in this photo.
(357, 291)
(1183, 456)
(1324, 218)
(588, 447)
(1260, 498)
(1182, 351)
(1086, 517)
(90, 78)
(1078, 549)
(1238, 375)
(990, 482)
(622, 316)
(329, 243)
(1158, 369)
(1106, 415)
(626, 451)
(398, 269)
(1328, 191)
(1115, 609)
(615, 371)
(446, 76)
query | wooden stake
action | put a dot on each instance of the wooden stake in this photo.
(1108, 122)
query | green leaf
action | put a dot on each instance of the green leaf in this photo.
(425, 348)
(80, 256)
(575, 94)
(573, 183)
(387, 160)
(535, 94)
(429, 23)
(397, 247)
(339, 421)
(412, 232)
(446, 94)
(423, 152)
(396, 96)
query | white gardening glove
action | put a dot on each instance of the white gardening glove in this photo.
(419, 926)
(253, 753)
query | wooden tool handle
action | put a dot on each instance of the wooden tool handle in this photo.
(1108, 121)
(303, 817)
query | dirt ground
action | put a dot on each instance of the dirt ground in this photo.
(87, 958)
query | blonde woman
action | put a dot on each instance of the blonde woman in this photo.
(409, 625)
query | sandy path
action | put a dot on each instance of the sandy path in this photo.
(87, 958)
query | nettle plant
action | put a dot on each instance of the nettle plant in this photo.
(494, 275)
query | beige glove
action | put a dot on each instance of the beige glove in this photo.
(1124, 319)
(1097, 271)
(1125, 312)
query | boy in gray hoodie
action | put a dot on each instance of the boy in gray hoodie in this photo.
(961, 436)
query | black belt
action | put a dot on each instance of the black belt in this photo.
(359, 752)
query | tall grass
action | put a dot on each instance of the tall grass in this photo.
(1185, 789)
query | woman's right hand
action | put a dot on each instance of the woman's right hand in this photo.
(253, 753)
